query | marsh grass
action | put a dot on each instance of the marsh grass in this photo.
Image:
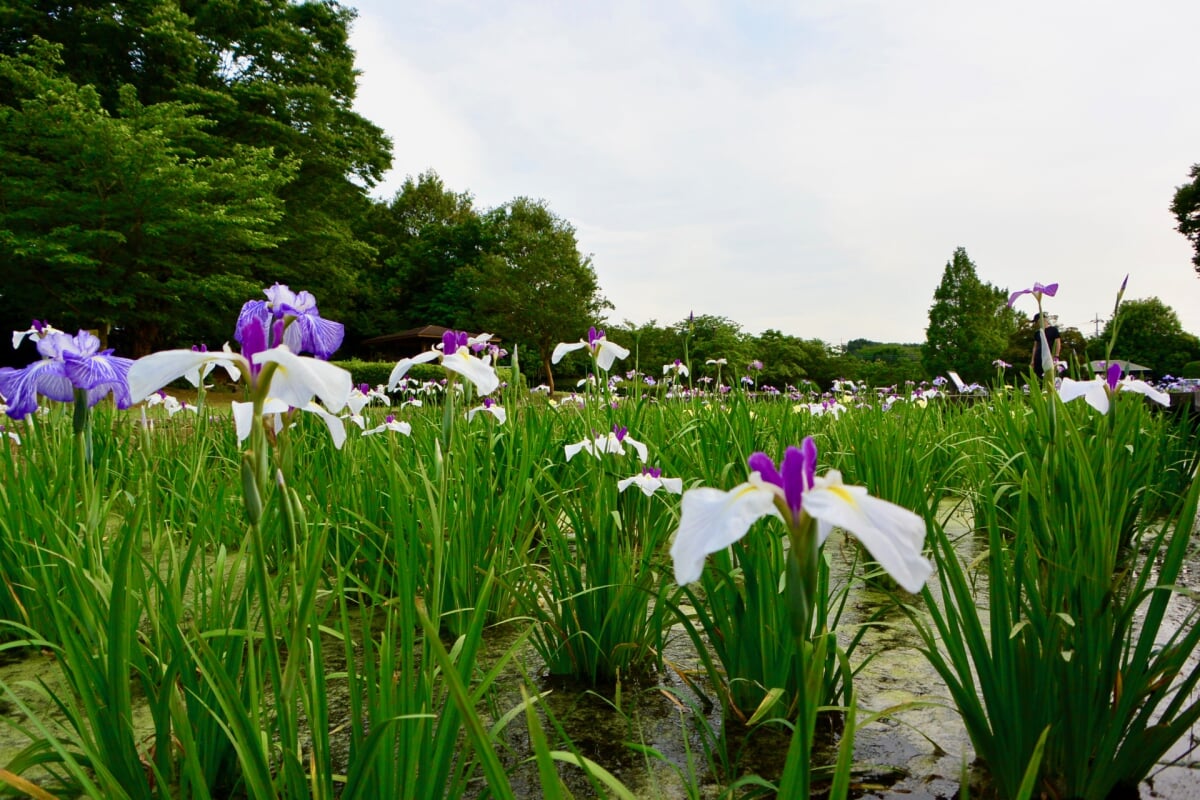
(598, 598)
(1072, 647)
(334, 647)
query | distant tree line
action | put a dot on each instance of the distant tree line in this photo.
(161, 161)
(971, 328)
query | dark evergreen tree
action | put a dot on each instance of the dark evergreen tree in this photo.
(969, 323)
(425, 238)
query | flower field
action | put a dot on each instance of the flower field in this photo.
(412, 590)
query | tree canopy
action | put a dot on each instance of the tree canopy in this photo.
(108, 220)
(1186, 207)
(424, 238)
(969, 323)
(205, 131)
(532, 286)
(1149, 333)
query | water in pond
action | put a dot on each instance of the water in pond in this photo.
(919, 752)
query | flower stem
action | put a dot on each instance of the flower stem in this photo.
(83, 425)
(802, 577)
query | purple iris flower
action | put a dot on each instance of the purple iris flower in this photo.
(252, 335)
(267, 321)
(653, 472)
(68, 363)
(452, 340)
(796, 472)
(37, 330)
(620, 432)
(1038, 290)
(1113, 376)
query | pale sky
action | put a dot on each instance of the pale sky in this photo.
(811, 166)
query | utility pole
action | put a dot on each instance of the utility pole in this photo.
(1096, 321)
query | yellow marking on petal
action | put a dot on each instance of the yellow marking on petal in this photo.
(841, 492)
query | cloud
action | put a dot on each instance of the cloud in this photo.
(810, 167)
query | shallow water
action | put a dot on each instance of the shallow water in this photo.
(921, 751)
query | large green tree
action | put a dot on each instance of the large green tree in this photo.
(790, 360)
(1186, 207)
(533, 287)
(281, 74)
(1149, 333)
(269, 74)
(713, 337)
(969, 323)
(110, 221)
(882, 364)
(424, 237)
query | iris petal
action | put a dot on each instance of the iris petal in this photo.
(1113, 375)
(562, 348)
(1094, 392)
(765, 467)
(298, 379)
(337, 428)
(476, 370)
(312, 334)
(609, 352)
(894, 536)
(640, 448)
(405, 364)
(149, 374)
(711, 520)
(797, 469)
(254, 319)
(100, 375)
(1146, 390)
(496, 411)
(21, 387)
